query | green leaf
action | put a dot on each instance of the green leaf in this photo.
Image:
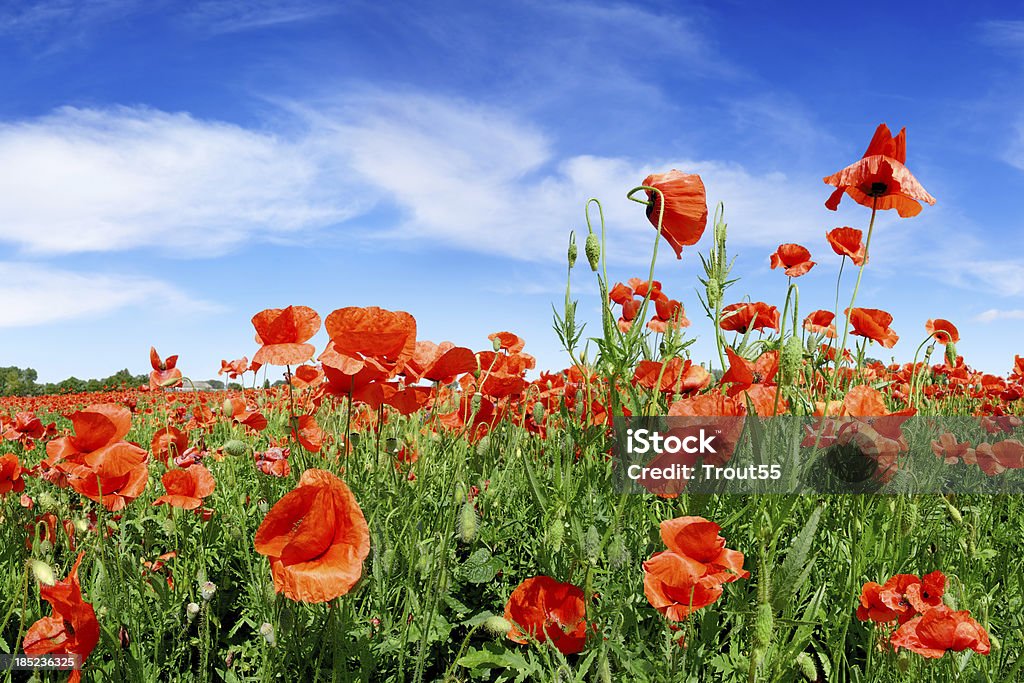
(493, 656)
(481, 567)
(795, 569)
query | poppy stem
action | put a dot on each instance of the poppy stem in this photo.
(853, 299)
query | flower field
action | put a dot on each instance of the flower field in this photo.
(405, 510)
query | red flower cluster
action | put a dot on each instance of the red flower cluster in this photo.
(926, 625)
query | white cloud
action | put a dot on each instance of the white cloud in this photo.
(232, 16)
(33, 294)
(994, 314)
(101, 180)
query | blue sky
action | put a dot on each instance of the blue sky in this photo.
(168, 169)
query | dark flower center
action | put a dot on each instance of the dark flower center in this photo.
(878, 189)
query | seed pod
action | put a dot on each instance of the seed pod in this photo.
(468, 523)
(592, 249)
(235, 448)
(207, 591)
(267, 631)
(573, 251)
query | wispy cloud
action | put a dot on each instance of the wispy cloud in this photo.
(35, 294)
(994, 314)
(233, 16)
(104, 180)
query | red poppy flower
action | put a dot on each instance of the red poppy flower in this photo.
(372, 338)
(873, 324)
(186, 488)
(996, 458)
(316, 539)
(880, 179)
(508, 341)
(282, 334)
(94, 427)
(112, 476)
(168, 443)
(668, 314)
(72, 628)
(690, 573)
(942, 331)
(948, 449)
(686, 208)
(821, 322)
(308, 433)
(847, 242)
(10, 475)
(548, 610)
(439, 362)
(164, 375)
(794, 258)
(235, 368)
(677, 376)
(940, 629)
(743, 316)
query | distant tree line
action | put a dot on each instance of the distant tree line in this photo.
(16, 381)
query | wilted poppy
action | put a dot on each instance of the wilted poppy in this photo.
(186, 488)
(940, 629)
(71, 629)
(316, 539)
(873, 324)
(879, 179)
(943, 331)
(548, 610)
(848, 242)
(165, 374)
(686, 208)
(282, 334)
(755, 316)
(795, 259)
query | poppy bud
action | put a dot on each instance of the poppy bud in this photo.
(236, 448)
(792, 358)
(538, 412)
(460, 493)
(572, 248)
(951, 354)
(903, 661)
(43, 572)
(604, 671)
(353, 439)
(483, 445)
(555, 534)
(954, 513)
(496, 344)
(764, 624)
(468, 523)
(46, 501)
(475, 402)
(191, 610)
(618, 553)
(592, 544)
(497, 626)
(267, 631)
(805, 663)
(592, 249)
(713, 291)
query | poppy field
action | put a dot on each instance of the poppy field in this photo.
(401, 509)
